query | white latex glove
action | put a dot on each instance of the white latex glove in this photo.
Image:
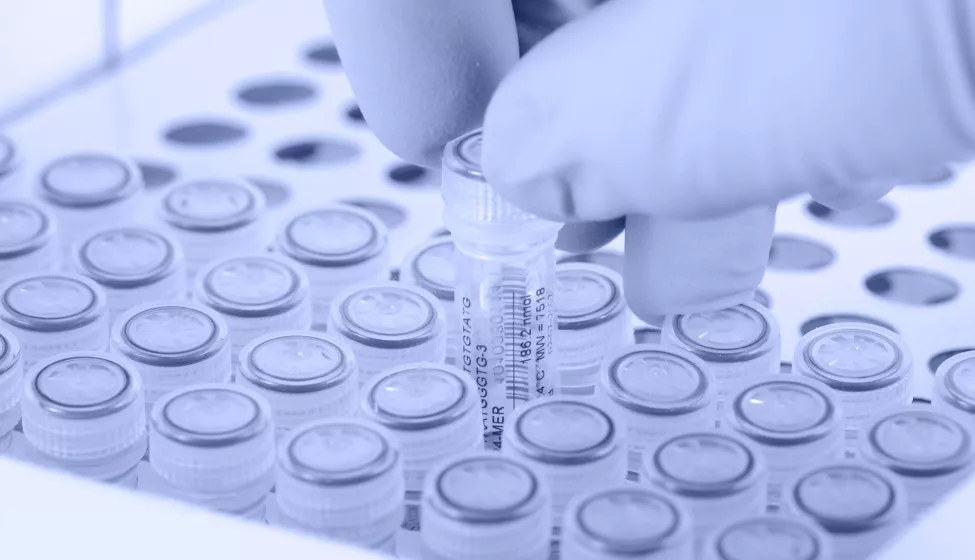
(692, 118)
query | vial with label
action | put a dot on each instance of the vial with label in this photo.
(656, 391)
(868, 367)
(11, 387)
(87, 191)
(255, 295)
(133, 265)
(593, 323)
(387, 324)
(29, 240)
(432, 411)
(211, 218)
(792, 420)
(738, 343)
(771, 537)
(860, 506)
(719, 475)
(303, 375)
(341, 478)
(929, 451)
(431, 266)
(627, 523)
(83, 412)
(213, 444)
(483, 506)
(174, 345)
(11, 168)
(51, 313)
(954, 387)
(338, 246)
(505, 288)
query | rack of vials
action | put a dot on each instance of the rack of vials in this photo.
(371, 353)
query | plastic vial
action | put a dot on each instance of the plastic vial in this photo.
(738, 343)
(718, 475)
(11, 387)
(505, 286)
(213, 444)
(174, 345)
(929, 451)
(133, 265)
(387, 324)
(656, 391)
(793, 420)
(868, 367)
(954, 387)
(342, 479)
(51, 313)
(592, 321)
(255, 295)
(627, 523)
(84, 412)
(339, 246)
(431, 266)
(11, 169)
(771, 537)
(484, 506)
(860, 506)
(303, 375)
(211, 218)
(28, 239)
(87, 191)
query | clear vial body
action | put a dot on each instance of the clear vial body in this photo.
(432, 267)
(768, 536)
(29, 241)
(505, 290)
(11, 387)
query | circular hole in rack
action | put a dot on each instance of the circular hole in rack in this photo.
(791, 253)
(646, 335)
(320, 151)
(409, 175)
(394, 274)
(391, 214)
(872, 214)
(912, 286)
(763, 298)
(957, 241)
(940, 178)
(324, 53)
(823, 320)
(274, 93)
(354, 114)
(156, 175)
(609, 258)
(276, 193)
(205, 132)
(935, 361)
(920, 400)
(442, 232)
(785, 367)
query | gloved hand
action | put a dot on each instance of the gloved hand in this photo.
(692, 119)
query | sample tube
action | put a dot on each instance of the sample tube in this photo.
(342, 479)
(11, 387)
(929, 451)
(592, 323)
(338, 246)
(83, 412)
(303, 375)
(718, 475)
(174, 345)
(213, 444)
(133, 265)
(656, 391)
(11, 173)
(627, 523)
(87, 191)
(28, 239)
(431, 266)
(484, 506)
(868, 367)
(792, 420)
(51, 313)
(954, 387)
(211, 218)
(505, 287)
(774, 537)
(387, 324)
(860, 506)
(255, 295)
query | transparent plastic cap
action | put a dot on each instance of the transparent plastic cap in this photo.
(587, 295)
(387, 315)
(169, 334)
(51, 302)
(734, 334)
(212, 205)
(88, 180)
(419, 396)
(252, 286)
(83, 406)
(955, 381)
(338, 453)
(296, 362)
(848, 497)
(778, 537)
(853, 357)
(24, 228)
(705, 464)
(563, 431)
(11, 380)
(486, 488)
(431, 267)
(785, 410)
(916, 441)
(658, 380)
(337, 235)
(128, 257)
